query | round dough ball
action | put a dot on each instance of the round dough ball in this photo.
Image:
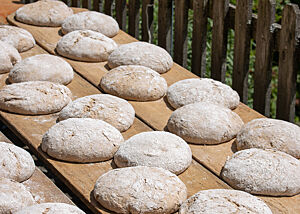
(156, 149)
(91, 20)
(140, 189)
(13, 196)
(113, 110)
(51, 208)
(263, 172)
(86, 45)
(141, 53)
(43, 67)
(33, 98)
(21, 39)
(194, 90)
(15, 162)
(205, 123)
(82, 140)
(44, 13)
(134, 82)
(224, 201)
(8, 57)
(265, 133)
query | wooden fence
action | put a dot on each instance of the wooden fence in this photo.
(269, 36)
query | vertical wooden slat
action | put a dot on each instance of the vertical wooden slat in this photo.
(201, 8)
(180, 37)
(134, 17)
(242, 38)
(108, 6)
(147, 20)
(263, 56)
(74, 3)
(85, 4)
(289, 52)
(96, 5)
(121, 13)
(219, 39)
(165, 24)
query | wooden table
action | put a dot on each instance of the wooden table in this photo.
(154, 115)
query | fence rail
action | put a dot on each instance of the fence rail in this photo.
(268, 35)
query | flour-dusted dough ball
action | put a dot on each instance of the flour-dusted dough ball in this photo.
(157, 149)
(140, 189)
(113, 110)
(134, 82)
(15, 162)
(194, 90)
(21, 39)
(82, 140)
(44, 13)
(43, 67)
(263, 172)
(224, 201)
(204, 123)
(86, 45)
(91, 20)
(141, 53)
(51, 208)
(265, 133)
(35, 97)
(13, 196)
(9, 56)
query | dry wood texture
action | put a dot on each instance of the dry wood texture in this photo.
(108, 7)
(121, 13)
(165, 24)
(40, 186)
(155, 114)
(133, 18)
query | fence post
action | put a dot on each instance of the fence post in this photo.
(201, 9)
(121, 13)
(180, 39)
(219, 39)
(242, 38)
(289, 60)
(85, 4)
(134, 17)
(263, 56)
(147, 20)
(96, 5)
(165, 24)
(107, 7)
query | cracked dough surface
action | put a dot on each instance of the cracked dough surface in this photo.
(9, 56)
(51, 208)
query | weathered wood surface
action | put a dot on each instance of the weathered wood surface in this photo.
(147, 20)
(134, 18)
(121, 14)
(40, 186)
(165, 24)
(157, 113)
(80, 178)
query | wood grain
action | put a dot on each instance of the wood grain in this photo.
(156, 114)
(121, 14)
(147, 20)
(164, 36)
(134, 18)
(108, 7)
(263, 57)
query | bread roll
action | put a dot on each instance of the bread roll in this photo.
(194, 90)
(156, 149)
(204, 123)
(86, 45)
(9, 56)
(44, 13)
(141, 53)
(140, 189)
(224, 201)
(267, 133)
(263, 172)
(91, 20)
(34, 98)
(20, 38)
(82, 140)
(13, 196)
(113, 110)
(43, 67)
(15, 162)
(134, 82)
(51, 208)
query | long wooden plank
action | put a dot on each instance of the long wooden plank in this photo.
(80, 178)
(134, 18)
(157, 113)
(121, 13)
(165, 24)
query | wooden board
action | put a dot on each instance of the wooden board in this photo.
(80, 178)
(40, 186)
(156, 114)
